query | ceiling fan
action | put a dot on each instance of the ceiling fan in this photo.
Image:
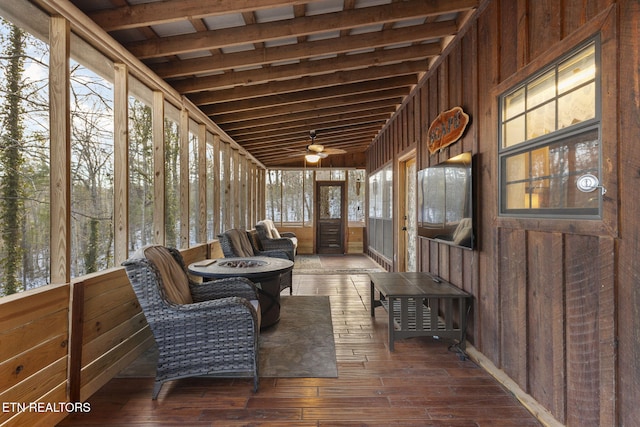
(315, 152)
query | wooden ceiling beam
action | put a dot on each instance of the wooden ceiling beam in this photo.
(220, 116)
(310, 68)
(147, 14)
(302, 128)
(309, 49)
(349, 143)
(403, 69)
(247, 121)
(328, 136)
(334, 137)
(305, 25)
(315, 95)
(346, 140)
(316, 123)
(285, 114)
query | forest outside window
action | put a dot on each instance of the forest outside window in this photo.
(24, 158)
(141, 166)
(93, 222)
(289, 195)
(549, 137)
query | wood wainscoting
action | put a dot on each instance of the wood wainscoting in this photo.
(62, 343)
(34, 342)
(306, 239)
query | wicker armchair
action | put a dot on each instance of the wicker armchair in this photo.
(241, 243)
(210, 328)
(270, 239)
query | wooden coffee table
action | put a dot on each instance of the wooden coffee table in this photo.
(420, 304)
(264, 270)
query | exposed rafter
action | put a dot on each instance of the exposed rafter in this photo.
(164, 12)
(307, 25)
(306, 50)
(268, 71)
(394, 59)
(386, 76)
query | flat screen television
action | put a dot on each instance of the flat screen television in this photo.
(445, 202)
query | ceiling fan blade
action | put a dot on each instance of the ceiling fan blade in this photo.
(334, 151)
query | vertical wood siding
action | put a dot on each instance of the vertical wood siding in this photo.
(546, 319)
(546, 306)
(628, 247)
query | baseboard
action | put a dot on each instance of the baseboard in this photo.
(532, 405)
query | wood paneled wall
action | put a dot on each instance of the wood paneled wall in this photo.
(627, 268)
(33, 353)
(307, 242)
(72, 340)
(109, 331)
(555, 301)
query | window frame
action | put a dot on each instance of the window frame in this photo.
(310, 177)
(552, 138)
(380, 199)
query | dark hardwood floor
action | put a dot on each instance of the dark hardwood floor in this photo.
(421, 384)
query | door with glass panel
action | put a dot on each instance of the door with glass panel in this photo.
(330, 217)
(408, 234)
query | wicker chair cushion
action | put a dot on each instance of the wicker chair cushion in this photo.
(272, 231)
(256, 246)
(174, 280)
(240, 242)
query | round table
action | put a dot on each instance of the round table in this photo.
(264, 270)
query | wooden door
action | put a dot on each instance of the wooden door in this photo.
(408, 216)
(330, 217)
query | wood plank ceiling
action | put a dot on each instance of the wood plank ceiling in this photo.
(270, 71)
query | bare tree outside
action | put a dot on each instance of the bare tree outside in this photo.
(91, 171)
(24, 161)
(172, 179)
(140, 175)
(12, 160)
(289, 194)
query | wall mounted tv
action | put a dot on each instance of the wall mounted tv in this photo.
(445, 202)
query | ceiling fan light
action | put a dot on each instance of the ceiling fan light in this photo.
(312, 158)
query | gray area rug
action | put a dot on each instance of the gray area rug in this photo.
(313, 264)
(306, 262)
(300, 345)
